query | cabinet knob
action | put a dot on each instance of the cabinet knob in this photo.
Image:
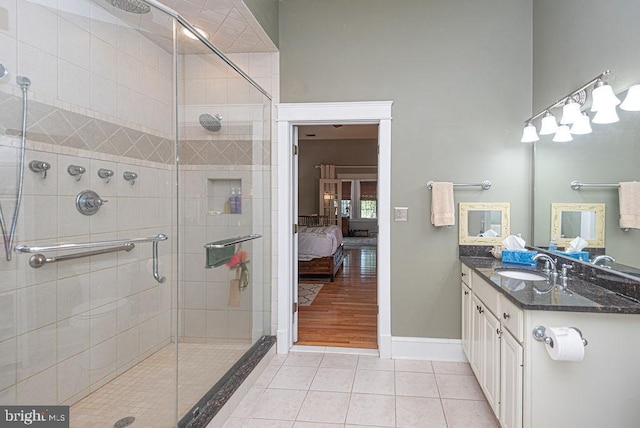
(466, 293)
(480, 310)
(506, 316)
(463, 274)
(498, 331)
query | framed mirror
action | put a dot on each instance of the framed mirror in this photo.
(483, 223)
(568, 221)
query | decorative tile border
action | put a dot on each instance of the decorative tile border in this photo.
(63, 128)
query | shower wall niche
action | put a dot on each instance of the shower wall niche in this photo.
(220, 196)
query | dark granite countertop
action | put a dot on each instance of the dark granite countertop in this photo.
(578, 295)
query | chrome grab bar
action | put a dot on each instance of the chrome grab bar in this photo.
(233, 241)
(486, 185)
(39, 260)
(28, 249)
(121, 243)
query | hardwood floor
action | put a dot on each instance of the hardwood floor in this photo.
(345, 312)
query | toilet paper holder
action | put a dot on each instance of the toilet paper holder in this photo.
(539, 334)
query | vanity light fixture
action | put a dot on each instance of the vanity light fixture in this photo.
(603, 96)
(603, 99)
(529, 135)
(562, 135)
(570, 111)
(582, 125)
(548, 125)
(632, 100)
(606, 115)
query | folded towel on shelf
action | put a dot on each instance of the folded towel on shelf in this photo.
(629, 195)
(443, 212)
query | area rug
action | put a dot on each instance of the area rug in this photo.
(307, 292)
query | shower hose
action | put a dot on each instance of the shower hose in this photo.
(8, 234)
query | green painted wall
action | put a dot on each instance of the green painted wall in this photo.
(459, 75)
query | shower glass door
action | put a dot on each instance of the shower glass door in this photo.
(108, 308)
(224, 173)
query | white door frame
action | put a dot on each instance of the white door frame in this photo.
(290, 115)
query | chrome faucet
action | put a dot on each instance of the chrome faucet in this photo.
(603, 257)
(552, 269)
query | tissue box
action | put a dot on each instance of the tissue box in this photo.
(519, 257)
(580, 255)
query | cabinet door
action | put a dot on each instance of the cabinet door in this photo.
(511, 382)
(476, 345)
(491, 359)
(467, 314)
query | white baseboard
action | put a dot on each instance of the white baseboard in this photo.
(419, 348)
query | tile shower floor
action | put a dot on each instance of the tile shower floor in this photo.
(147, 391)
(315, 390)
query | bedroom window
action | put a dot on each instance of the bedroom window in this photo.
(368, 199)
(359, 199)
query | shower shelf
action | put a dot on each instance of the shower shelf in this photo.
(232, 241)
(121, 243)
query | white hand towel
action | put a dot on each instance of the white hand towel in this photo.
(629, 195)
(443, 212)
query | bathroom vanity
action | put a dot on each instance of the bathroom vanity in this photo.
(524, 386)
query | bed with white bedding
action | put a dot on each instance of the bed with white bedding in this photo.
(320, 250)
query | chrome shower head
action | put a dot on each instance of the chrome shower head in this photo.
(133, 6)
(211, 123)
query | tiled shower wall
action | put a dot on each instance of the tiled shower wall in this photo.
(100, 98)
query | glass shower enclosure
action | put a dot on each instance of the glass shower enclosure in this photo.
(136, 264)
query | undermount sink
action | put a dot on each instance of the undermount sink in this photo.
(521, 274)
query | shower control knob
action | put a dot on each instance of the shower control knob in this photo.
(89, 202)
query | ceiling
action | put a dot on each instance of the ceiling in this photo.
(229, 23)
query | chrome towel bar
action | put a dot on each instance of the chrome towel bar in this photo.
(576, 185)
(486, 185)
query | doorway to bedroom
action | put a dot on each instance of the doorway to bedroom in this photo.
(337, 201)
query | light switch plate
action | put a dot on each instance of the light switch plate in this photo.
(401, 213)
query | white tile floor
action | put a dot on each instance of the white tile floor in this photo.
(316, 390)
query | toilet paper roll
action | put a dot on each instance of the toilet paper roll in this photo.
(566, 344)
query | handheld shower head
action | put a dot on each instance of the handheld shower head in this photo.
(211, 123)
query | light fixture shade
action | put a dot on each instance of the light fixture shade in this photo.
(582, 125)
(608, 115)
(562, 135)
(548, 124)
(192, 36)
(603, 97)
(570, 112)
(632, 100)
(529, 134)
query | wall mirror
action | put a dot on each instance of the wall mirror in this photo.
(568, 221)
(483, 223)
(609, 155)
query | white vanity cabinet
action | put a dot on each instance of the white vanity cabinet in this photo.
(494, 353)
(525, 387)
